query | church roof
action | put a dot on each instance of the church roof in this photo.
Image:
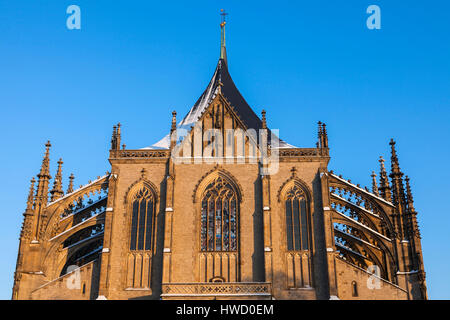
(221, 77)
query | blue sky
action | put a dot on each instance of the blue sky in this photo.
(302, 61)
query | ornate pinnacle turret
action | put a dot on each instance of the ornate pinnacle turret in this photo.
(322, 133)
(25, 232)
(409, 196)
(173, 128)
(44, 177)
(319, 134)
(395, 168)
(115, 139)
(374, 184)
(325, 135)
(70, 187)
(223, 50)
(398, 194)
(263, 118)
(57, 191)
(174, 122)
(118, 136)
(385, 189)
(30, 199)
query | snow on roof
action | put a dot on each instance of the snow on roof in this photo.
(362, 225)
(360, 189)
(221, 77)
(79, 189)
(77, 225)
(355, 205)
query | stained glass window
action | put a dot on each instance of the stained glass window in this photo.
(142, 220)
(296, 220)
(219, 217)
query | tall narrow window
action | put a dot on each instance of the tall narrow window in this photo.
(142, 220)
(219, 217)
(296, 220)
(354, 289)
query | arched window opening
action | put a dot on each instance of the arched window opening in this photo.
(84, 235)
(219, 217)
(296, 220)
(84, 253)
(354, 289)
(142, 220)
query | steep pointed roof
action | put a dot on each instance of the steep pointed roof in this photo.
(222, 78)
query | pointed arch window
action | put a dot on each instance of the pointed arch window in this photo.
(296, 219)
(142, 220)
(219, 217)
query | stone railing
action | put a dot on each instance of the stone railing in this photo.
(143, 153)
(302, 152)
(217, 289)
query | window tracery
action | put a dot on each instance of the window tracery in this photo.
(219, 217)
(142, 220)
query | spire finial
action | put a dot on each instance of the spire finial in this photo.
(30, 200)
(409, 195)
(43, 178)
(45, 167)
(173, 128)
(57, 191)
(374, 184)
(395, 167)
(223, 50)
(174, 121)
(325, 135)
(264, 122)
(70, 187)
(385, 189)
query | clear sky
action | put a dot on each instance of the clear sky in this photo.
(302, 61)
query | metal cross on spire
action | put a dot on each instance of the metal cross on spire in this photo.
(223, 14)
(223, 51)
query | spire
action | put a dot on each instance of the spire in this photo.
(25, 232)
(409, 196)
(57, 191)
(395, 168)
(70, 187)
(30, 200)
(325, 135)
(385, 190)
(319, 134)
(374, 184)
(115, 139)
(118, 136)
(174, 122)
(263, 118)
(44, 177)
(396, 175)
(173, 139)
(223, 50)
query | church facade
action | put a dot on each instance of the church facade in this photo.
(220, 208)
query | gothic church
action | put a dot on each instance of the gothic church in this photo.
(220, 208)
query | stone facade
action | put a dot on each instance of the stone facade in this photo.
(196, 218)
